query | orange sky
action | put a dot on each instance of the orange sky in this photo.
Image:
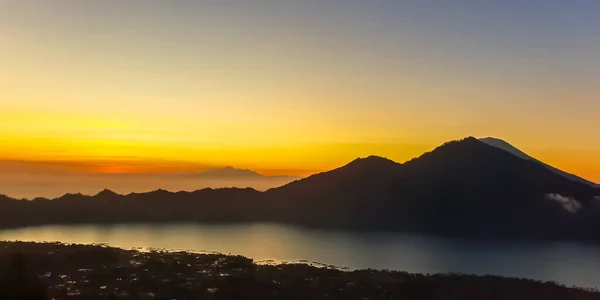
(143, 86)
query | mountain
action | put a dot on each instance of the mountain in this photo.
(234, 173)
(465, 188)
(462, 188)
(513, 150)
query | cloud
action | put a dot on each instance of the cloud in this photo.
(597, 198)
(568, 203)
(125, 165)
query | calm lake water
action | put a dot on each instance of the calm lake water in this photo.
(566, 263)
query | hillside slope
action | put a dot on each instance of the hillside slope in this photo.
(464, 188)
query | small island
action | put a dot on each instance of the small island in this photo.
(72, 271)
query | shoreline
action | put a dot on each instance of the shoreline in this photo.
(186, 275)
(557, 262)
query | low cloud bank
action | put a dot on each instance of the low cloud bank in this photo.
(568, 203)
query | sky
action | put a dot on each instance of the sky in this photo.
(292, 87)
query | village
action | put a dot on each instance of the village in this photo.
(101, 272)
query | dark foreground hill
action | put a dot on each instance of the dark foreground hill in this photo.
(464, 188)
(95, 272)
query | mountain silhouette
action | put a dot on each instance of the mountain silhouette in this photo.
(465, 188)
(513, 150)
(230, 172)
(107, 194)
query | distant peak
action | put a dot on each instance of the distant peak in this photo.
(5, 197)
(491, 140)
(106, 192)
(228, 172)
(500, 143)
(461, 143)
(507, 147)
(372, 160)
(468, 139)
(71, 196)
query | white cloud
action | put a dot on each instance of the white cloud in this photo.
(568, 203)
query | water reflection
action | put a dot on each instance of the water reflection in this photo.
(567, 263)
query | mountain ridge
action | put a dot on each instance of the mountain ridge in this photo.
(515, 151)
(229, 172)
(464, 188)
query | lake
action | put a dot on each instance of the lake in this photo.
(566, 263)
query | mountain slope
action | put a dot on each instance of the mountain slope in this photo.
(344, 197)
(464, 188)
(513, 150)
(228, 172)
(234, 173)
(477, 188)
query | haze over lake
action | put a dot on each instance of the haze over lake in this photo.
(22, 186)
(566, 263)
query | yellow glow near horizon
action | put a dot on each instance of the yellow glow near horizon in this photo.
(109, 144)
(298, 88)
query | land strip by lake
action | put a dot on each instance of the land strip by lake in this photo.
(75, 271)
